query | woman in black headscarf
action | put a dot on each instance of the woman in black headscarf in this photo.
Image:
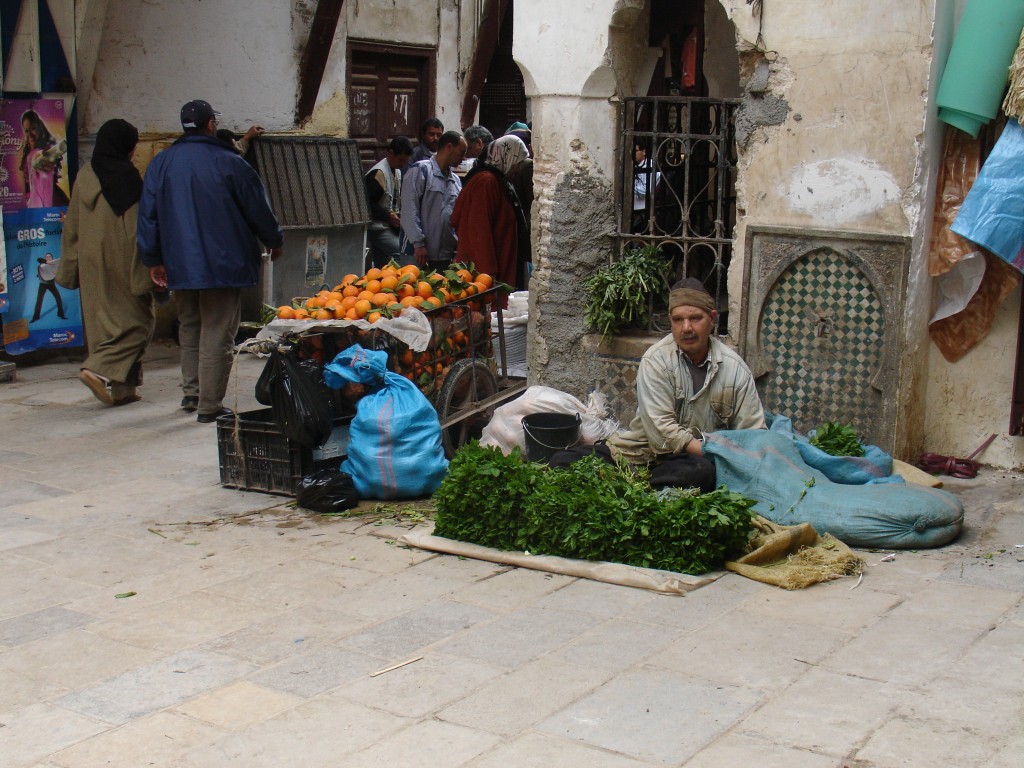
(99, 258)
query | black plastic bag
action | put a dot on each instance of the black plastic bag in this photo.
(299, 397)
(327, 490)
(265, 383)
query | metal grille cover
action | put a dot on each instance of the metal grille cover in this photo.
(313, 181)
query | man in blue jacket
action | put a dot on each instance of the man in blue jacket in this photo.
(202, 217)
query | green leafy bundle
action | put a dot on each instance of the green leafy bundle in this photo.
(619, 295)
(591, 510)
(837, 440)
(482, 497)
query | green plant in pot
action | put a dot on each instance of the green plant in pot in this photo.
(620, 296)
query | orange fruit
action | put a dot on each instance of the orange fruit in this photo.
(348, 302)
(374, 274)
(285, 312)
(411, 301)
(373, 286)
(350, 290)
(407, 357)
(301, 314)
(410, 269)
(335, 296)
(339, 312)
(367, 295)
(479, 286)
(472, 289)
(362, 307)
(424, 289)
(349, 279)
(405, 290)
(351, 314)
(465, 275)
(486, 280)
(389, 282)
(323, 314)
(373, 317)
(447, 295)
(381, 299)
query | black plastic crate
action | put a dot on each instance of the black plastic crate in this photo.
(265, 460)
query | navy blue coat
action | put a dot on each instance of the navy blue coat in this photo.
(203, 214)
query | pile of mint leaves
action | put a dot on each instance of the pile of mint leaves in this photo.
(591, 510)
(837, 440)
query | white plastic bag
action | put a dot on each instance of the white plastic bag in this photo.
(505, 430)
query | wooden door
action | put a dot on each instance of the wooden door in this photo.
(390, 93)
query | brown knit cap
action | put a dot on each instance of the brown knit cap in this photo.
(691, 297)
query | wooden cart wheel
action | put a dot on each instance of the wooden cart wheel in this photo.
(467, 383)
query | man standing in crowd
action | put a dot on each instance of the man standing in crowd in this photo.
(383, 189)
(202, 216)
(429, 190)
(477, 139)
(430, 135)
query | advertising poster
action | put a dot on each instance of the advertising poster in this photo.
(33, 154)
(40, 314)
(4, 302)
(316, 261)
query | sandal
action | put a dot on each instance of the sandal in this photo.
(97, 385)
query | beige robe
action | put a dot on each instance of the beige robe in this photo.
(98, 257)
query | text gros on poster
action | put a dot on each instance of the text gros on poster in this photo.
(40, 314)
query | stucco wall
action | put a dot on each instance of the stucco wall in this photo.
(243, 58)
(156, 55)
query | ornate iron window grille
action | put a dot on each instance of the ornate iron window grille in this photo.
(682, 198)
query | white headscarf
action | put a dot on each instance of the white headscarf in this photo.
(506, 153)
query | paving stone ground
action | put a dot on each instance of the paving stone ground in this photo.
(255, 627)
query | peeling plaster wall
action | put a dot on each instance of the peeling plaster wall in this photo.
(243, 58)
(154, 56)
(574, 140)
(836, 133)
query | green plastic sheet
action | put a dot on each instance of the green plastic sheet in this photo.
(974, 79)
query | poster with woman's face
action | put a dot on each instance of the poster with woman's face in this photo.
(33, 154)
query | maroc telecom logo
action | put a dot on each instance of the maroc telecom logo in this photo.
(62, 339)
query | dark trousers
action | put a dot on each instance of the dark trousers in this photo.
(676, 471)
(44, 286)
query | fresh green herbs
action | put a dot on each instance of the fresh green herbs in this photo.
(619, 295)
(591, 510)
(837, 439)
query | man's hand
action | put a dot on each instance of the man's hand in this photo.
(421, 256)
(253, 132)
(275, 253)
(396, 221)
(158, 275)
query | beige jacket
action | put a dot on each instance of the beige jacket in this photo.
(669, 413)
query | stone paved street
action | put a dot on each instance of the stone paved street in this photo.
(255, 627)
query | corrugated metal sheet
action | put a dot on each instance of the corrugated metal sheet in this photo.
(313, 181)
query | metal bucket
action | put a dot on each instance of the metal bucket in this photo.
(547, 433)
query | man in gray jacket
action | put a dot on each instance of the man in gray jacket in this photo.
(429, 189)
(688, 384)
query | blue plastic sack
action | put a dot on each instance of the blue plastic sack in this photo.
(394, 449)
(992, 214)
(767, 467)
(875, 466)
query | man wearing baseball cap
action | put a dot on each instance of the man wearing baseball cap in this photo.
(202, 218)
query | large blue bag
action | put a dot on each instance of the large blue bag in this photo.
(875, 466)
(394, 449)
(767, 467)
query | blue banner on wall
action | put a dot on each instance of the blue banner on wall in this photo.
(40, 314)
